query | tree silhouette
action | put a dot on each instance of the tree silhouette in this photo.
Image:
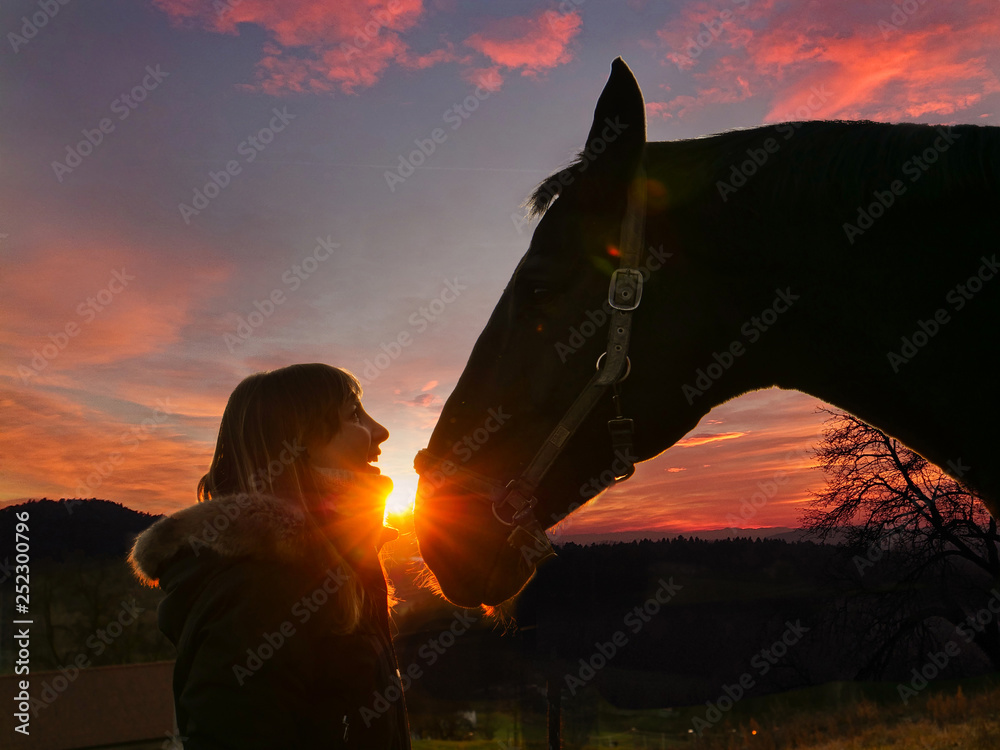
(924, 548)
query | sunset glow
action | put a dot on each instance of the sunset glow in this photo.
(353, 174)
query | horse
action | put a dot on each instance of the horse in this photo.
(853, 261)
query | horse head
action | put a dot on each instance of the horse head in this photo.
(538, 353)
(666, 278)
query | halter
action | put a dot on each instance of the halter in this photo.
(513, 502)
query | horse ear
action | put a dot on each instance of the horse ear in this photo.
(618, 134)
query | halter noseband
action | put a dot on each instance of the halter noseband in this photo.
(513, 502)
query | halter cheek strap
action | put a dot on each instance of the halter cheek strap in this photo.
(513, 502)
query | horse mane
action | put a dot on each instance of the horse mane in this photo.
(831, 161)
(550, 188)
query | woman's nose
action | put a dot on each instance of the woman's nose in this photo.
(379, 433)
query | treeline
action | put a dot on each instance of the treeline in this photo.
(643, 624)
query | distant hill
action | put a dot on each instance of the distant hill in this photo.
(102, 528)
(61, 529)
(784, 533)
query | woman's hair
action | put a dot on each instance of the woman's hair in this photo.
(267, 422)
(261, 449)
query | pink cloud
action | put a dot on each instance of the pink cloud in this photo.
(488, 78)
(531, 44)
(321, 47)
(870, 61)
(317, 46)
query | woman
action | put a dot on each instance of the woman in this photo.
(275, 596)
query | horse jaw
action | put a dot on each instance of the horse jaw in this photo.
(471, 568)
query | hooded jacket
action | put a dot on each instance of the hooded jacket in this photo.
(250, 604)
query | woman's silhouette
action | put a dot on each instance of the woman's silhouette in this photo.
(275, 595)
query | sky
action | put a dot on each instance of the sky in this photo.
(192, 191)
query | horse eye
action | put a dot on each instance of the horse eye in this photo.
(541, 295)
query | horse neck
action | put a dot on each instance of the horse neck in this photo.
(855, 301)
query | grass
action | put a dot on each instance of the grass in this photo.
(838, 716)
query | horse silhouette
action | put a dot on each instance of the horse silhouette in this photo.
(853, 261)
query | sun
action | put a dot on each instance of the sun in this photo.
(400, 500)
(398, 503)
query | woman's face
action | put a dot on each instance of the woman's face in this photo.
(354, 445)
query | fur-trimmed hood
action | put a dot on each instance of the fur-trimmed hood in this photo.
(262, 527)
(224, 594)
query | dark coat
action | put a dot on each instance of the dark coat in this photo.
(248, 607)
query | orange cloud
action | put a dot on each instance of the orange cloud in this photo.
(66, 448)
(869, 61)
(532, 44)
(704, 438)
(777, 431)
(112, 304)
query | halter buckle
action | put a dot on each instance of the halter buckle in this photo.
(520, 509)
(625, 289)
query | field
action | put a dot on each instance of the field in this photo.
(838, 716)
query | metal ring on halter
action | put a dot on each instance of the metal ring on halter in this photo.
(628, 366)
